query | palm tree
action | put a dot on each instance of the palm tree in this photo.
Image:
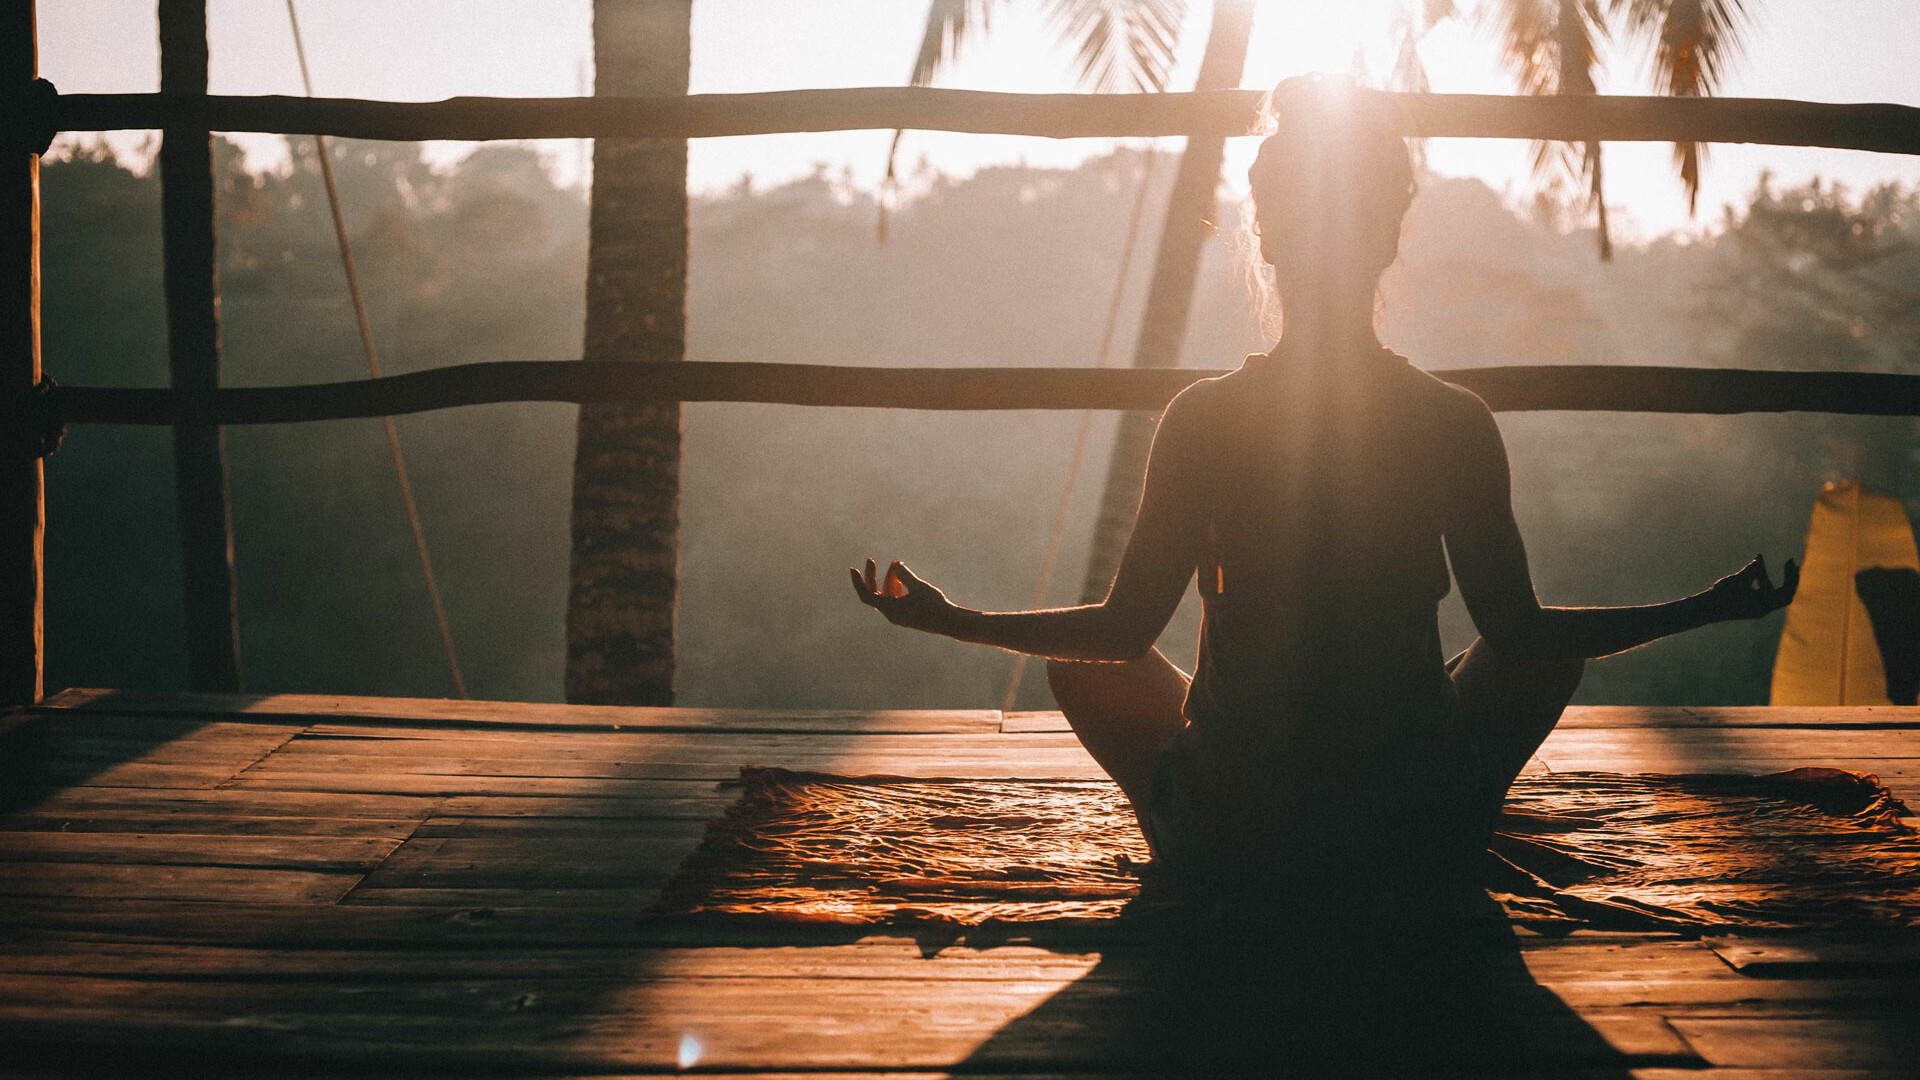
(1694, 40)
(1163, 324)
(626, 479)
(1123, 45)
(1119, 46)
(1549, 46)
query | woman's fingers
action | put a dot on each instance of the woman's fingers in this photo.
(860, 587)
(873, 579)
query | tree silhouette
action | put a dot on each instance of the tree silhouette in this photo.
(624, 583)
(1551, 47)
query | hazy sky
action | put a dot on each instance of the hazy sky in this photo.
(1826, 50)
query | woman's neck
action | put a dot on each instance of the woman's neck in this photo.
(1320, 325)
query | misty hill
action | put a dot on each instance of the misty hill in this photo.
(1013, 266)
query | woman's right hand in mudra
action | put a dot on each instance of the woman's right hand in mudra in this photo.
(903, 598)
(1749, 593)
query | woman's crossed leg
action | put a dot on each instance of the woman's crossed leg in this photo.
(1125, 714)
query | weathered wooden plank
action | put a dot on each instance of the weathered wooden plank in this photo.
(597, 790)
(633, 778)
(551, 862)
(878, 960)
(524, 714)
(1609, 717)
(218, 824)
(196, 849)
(1553, 959)
(148, 881)
(160, 741)
(716, 762)
(416, 742)
(739, 1023)
(1741, 716)
(632, 966)
(79, 801)
(34, 773)
(1767, 1074)
(55, 724)
(685, 799)
(1891, 771)
(1733, 994)
(297, 923)
(659, 824)
(1825, 955)
(1855, 1041)
(1753, 742)
(629, 900)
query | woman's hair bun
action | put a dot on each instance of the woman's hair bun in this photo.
(1328, 126)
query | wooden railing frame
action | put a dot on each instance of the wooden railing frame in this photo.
(1581, 387)
(1781, 122)
(34, 111)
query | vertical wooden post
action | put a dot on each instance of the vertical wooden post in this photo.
(193, 344)
(22, 502)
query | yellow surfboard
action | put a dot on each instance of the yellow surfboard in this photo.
(1829, 654)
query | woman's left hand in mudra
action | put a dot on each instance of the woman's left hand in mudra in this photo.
(1750, 593)
(904, 599)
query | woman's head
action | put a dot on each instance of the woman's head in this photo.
(1329, 188)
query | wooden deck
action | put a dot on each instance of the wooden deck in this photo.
(362, 886)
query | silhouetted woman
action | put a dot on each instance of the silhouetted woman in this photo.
(1319, 493)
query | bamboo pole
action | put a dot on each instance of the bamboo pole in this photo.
(193, 350)
(1583, 387)
(22, 501)
(1782, 122)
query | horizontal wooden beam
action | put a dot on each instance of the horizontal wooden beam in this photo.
(1507, 389)
(1887, 128)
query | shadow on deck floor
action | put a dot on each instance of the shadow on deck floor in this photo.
(373, 886)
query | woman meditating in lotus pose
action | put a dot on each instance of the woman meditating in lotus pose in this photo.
(1320, 492)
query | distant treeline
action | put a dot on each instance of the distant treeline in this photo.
(1013, 266)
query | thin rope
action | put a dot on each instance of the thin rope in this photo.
(1086, 418)
(373, 369)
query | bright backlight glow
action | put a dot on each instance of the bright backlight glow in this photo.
(690, 1050)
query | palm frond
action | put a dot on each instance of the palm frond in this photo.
(950, 24)
(1551, 47)
(1120, 45)
(1693, 40)
(1409, 74)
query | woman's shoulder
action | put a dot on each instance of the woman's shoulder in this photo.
(1205, 395)
(1456, 402)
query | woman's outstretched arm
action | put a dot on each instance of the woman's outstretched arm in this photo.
(1159, 562)
(1490, 561)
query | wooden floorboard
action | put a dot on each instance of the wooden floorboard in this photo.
(366, 886)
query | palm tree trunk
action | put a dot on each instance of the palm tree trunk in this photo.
(1163, 326)
(624, 582)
